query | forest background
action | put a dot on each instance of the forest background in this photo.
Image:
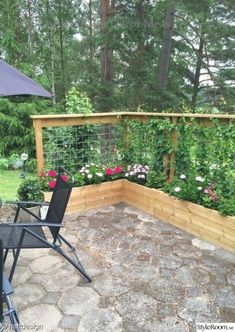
(135, 55)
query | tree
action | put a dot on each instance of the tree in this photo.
(166, 46)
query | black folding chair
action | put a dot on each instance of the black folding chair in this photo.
(19, 236)
(6, 291)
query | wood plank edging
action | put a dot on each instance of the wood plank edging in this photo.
(195, 219)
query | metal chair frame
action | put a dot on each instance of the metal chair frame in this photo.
(54, 224)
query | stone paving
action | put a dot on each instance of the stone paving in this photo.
(147, 276)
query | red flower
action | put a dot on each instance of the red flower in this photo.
(52, 184)
(64, 177)
(52, 173)
(108, 171)
(117, 170)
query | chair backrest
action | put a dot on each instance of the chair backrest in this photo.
(1, 281)
(58, 204)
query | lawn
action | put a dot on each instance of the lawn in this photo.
(9, 184)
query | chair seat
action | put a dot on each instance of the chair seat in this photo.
(11, 235)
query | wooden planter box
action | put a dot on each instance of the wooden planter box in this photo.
(93, 196)
(195, 219)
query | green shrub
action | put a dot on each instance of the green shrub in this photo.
(30, 190)
(155, 179)
(3, 163)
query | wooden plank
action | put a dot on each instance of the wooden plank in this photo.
(221, 242)
(197, 220)
(138, 205)
(217, 229)
(211, 215)
(63, 120)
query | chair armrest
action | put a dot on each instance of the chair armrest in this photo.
(41, 224)
(27, 202)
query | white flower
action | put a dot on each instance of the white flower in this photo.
(87, 171)
(214, 166)
(92, 164)
(89, 176)
(99, 174)
(177, 189)
(131, 173)
(81, 171)
(127, 174)
(199, 188)
(142, 176)
(200, 179)
(146, 167)
(139, 176)
(129, 167)
(182, 176)
(87, 165)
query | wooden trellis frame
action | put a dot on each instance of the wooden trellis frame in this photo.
(61, 120)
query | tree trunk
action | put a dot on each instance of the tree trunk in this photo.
(166, 46)
(106, 59)
(91, 50)
(30, 32)
(197, 73)
(51, 52)
(62, 58)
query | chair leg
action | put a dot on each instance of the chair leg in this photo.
(5, 255)
(16, 254)
(12, 314)
(77, 265)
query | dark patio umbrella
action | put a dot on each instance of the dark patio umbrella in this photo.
(15, 83)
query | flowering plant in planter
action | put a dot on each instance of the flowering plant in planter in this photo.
(137, 173)
(94, 174)
(48, 180)
(192, 187)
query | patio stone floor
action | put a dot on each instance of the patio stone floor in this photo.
(147, 276)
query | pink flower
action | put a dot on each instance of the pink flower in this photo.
(108, 171)
(64, 177)
(52, 184)
(51, 173)
(117, 170)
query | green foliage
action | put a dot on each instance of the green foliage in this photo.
(60, 46)
(77, 102)
(147, 143)
(189, 187)
(155, 179)
(30, 190)
(3, 163)
(16, 130)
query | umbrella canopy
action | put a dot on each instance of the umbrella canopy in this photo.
(15, 83)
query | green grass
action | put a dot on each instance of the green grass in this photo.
(9, 184)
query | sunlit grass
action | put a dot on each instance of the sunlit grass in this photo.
(9, 184)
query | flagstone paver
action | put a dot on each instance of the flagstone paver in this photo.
(147, 276)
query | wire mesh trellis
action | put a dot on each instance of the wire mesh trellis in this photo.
(73, 147)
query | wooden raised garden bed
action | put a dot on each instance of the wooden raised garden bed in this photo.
(195, 219)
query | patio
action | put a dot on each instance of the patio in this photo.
(147, 276)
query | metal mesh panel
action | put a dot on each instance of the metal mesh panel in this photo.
(72, 147)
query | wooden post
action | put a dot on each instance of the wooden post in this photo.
(37, 123)
(174, 138)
